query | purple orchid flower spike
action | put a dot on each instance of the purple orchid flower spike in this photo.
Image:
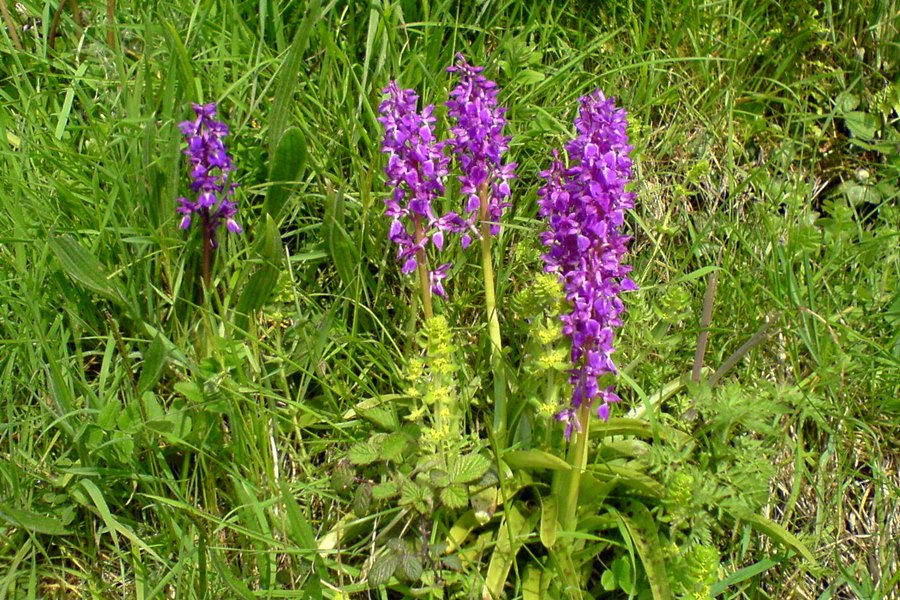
(585, 206)
(211, 167)
(478, 144)
(416, 170)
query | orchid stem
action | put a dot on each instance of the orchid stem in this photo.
(424, 282)
(490, 301)
(579, 464)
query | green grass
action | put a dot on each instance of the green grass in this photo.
(153, 443)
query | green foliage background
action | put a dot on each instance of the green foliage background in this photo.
(155, 443)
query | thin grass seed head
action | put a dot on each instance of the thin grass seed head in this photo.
(416, 169)
(478, 144)
(585, 206)
(211, 168)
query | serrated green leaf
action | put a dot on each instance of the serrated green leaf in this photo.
(846, 101)
(410, 568)
(392, 446)
(439, 477)
(362, 500)
(468, 467)
(454, 496)
(415, 495)
(84, 268)
(535, 459)
(342, 477)
(363, 453)
(452, 562)
(383, 569)
(385, 490)
(286, 168)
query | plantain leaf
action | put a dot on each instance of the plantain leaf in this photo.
(743, 575)
(343, 251)
(513, 532)
(628, 477)
(185, 69)
(238, 587)
(621, 426)
(297, 525)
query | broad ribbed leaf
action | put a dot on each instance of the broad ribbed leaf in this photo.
(32, 521)
(642, 529)
(410, 568)
(779, 534)
(263, 281)
(288, 73)
(154, 361)
(84, 268)
(385, 490)
(286, 168)
(535, 459)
